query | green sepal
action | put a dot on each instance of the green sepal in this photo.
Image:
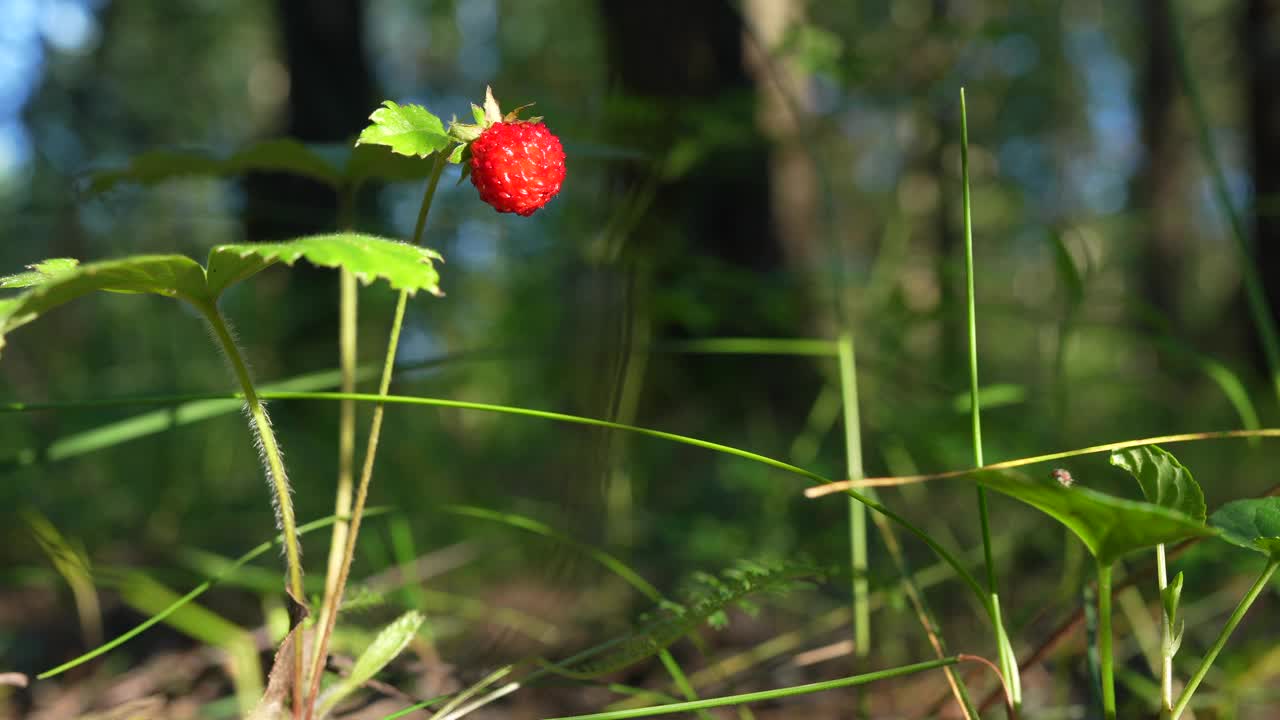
(492, 113)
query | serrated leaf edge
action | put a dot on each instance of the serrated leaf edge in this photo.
(365, 278)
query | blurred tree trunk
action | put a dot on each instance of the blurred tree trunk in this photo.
(703, 250)
(783, 113)
(1262, 63)
(1160, 184)
(330, 95)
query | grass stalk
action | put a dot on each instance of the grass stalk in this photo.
(327, 622)
(274, 461)
(1236, 616)
(857, 511)
(1106, 661)
(1166, 636)
(768, 694)
(1008, 663)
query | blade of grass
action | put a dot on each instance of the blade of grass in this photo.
(857, 511)
(813, 477)
(851, 681)
(898, 480)
(195, 592)
(1008, 664)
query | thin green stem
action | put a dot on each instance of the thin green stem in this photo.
(348, 298)
(1105, 659)
(1236, 616)
(1008, 663)
(371, 451)
(1166, 635)
(767, 694)
(1253, 290)
(857, 511)
(270, 451)
(680, 679)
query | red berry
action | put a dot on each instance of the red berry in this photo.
(517, 166)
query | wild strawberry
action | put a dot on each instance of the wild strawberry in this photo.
(517, 165)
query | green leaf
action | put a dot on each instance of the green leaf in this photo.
(406, 267)
(275, 155)
(1252, 524)
(365, 162)
(1068, 273)
(286, 155)
(1164, 480)
(1109, 526)
(157, 166)
(40, 273)
(477, 112)
(169, 275)
(384, 648)
(406, 129)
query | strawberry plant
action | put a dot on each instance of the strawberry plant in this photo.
(517, 166)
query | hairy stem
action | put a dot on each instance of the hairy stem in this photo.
(1236, 616)
(371, 451)
(274, 462)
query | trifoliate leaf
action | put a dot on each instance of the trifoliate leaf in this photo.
(1252, 524)
(406, 267)
(1108, 526)
(406, 129)
(1164, 480)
